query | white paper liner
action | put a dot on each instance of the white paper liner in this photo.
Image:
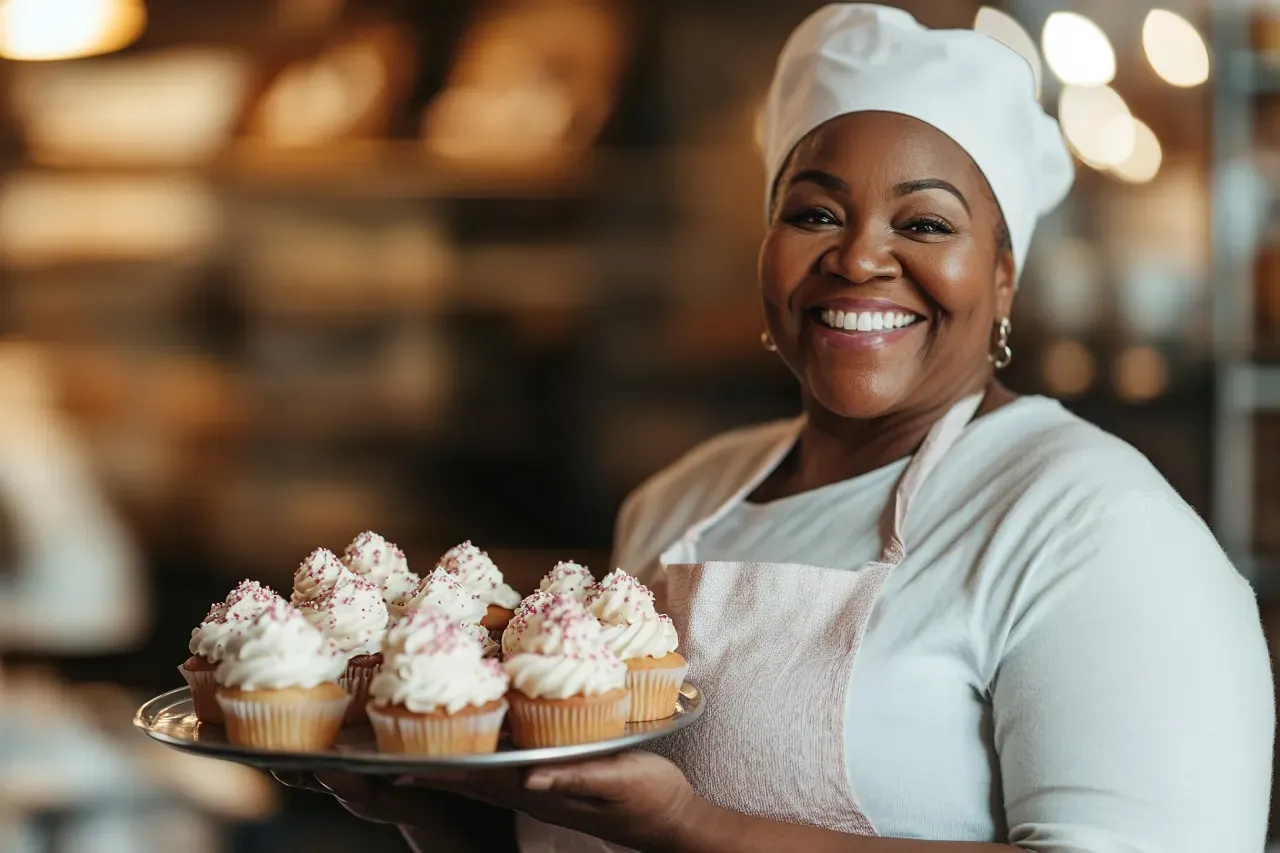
(470, 734)
(538, 723)
(203, 687)
(653, 692)
(299, 725)
(356, 681)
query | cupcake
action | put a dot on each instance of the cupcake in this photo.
(442, 592)
(480, 576)
(374, 558)
(526, 617)
(278, 684)
(315, 576)
(352, 615)
(209, 640)
(436, 693)
(569, 578)
(644, 640)
(567, 687)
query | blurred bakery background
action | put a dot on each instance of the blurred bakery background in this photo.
(273, 272)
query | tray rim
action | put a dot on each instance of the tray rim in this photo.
(373, 763)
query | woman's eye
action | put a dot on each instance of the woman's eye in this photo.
(812, 217)
(927, 225)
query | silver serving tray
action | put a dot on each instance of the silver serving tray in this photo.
(169, 719)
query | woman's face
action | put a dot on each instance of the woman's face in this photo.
(882, 270)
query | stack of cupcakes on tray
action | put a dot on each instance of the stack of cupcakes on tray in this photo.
(364, 639)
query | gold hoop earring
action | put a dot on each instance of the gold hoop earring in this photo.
(1002, 353)
(767, 342)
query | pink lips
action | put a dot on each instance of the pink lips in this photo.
(862, 341)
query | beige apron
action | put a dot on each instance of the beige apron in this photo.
(772, 647)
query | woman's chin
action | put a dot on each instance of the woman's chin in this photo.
(854, 402)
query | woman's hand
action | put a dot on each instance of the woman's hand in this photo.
(636, 799)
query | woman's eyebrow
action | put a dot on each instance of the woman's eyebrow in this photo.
(909, 187)
(826, 180)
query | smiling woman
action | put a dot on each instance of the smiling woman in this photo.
(1052, 652)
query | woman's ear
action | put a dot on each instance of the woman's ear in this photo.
(1006, 283)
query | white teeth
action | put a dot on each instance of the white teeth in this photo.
(867, 321)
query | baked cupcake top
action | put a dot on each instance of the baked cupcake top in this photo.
(569, 578)
(526, 616)
(632, 628)
(431, 663)
(444, 592)
(564, 655)
(350, 613)
(229, 616)
(315, 575)
(380, 561)
(279, 649)
(479, 574)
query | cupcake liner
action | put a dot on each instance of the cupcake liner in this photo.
(356, 682)
(203, 687)
(290, 725)
(429, 734)
(653, 692)
(537, 723)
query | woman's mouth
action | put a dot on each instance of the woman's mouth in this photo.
(865, 321)
(865, 330)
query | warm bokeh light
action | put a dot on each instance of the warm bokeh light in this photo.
(313, 103)
(1097, 124)
(1004, 27)
(1068, 368)
(1140, 374)
(162, 108)
(1077, 50)
(65, 29)
(50, 218)
(1143, 163)
(1175, 48)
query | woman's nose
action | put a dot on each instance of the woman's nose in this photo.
(861, 256)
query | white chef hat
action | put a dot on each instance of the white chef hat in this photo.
(859, 57)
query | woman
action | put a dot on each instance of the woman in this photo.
(929, 616)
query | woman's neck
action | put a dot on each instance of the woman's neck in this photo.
(832, 448)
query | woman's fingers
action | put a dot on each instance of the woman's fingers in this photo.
(600, 779)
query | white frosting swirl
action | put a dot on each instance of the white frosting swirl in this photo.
(620, 599)
(442, 591)
(228, 617)
(351, 614)
(279, 649)
(315, 576)
(375, 558)
(569, 578)
(564, 654)
(431, 663)
(482, 636)
(400, 587)
(557, 677)
(479, 574)
(652, 636)
(526, 618)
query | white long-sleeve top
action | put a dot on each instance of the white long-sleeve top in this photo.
(1065, 660)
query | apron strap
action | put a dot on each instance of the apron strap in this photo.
(942, 436)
